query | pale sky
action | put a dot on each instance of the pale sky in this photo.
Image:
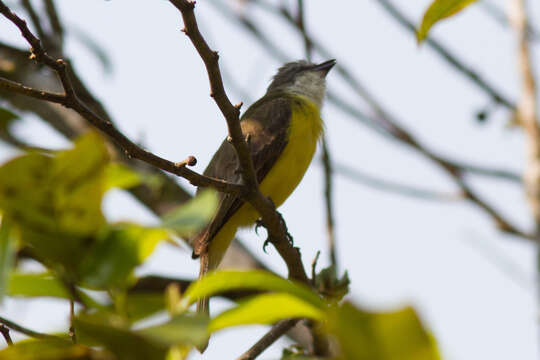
(473, 287)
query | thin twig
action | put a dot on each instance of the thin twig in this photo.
(248, 191)
(326, 158)
(27, 5)
(320, 341)
(13, 326)
(328, 189)
(389, 124)
(393, 187)
(5, 333)
(527, 110)
(448, 56)
(502, 19)
(54, 19)
(268, 339)
(70, 100)
(72, 334)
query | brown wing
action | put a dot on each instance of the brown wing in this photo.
(265, 125)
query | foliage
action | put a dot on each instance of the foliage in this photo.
(437, 11)
(51, 209)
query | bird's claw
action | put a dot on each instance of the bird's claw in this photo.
(269, 240)
(258, 224)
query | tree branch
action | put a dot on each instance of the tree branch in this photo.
(449, 57)
(70, 100)
(273, 222)
(527, 110)
(268, 339)
(13, 326)
(5, 333)
(249, 191)
(387, 124)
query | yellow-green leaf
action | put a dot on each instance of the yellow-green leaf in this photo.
(180, 330)
(6, 118)
(191, 217)
(438, 10)
(36, 285)
(116, 252)
(43, 285)
(51, 349)
(222, 281)
(120, 176)
(380, 336)
(7, 255)
(266, 309)
(148, 343)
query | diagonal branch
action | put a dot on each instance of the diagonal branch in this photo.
(70, 100)
(391, 127)
(249, 191)
(268, 339)
(449, 57)
(527, 110)
(274, 223)
(14, 326)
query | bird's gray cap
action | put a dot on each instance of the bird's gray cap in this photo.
(288, 72)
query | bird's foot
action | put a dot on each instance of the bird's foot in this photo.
(270, 240)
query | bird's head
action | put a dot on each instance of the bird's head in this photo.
(302, 78)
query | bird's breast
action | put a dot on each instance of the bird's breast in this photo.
(304, 132)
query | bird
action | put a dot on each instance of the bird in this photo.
(281, 130)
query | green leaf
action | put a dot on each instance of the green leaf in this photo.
(180, 330)
(56, 201)
(222, 281)
(117, 252)
(266, 309)
(380, 336)
(7, 255)
(438, 10)
(78, 184)
(120, 176)
(36, 285)
(51, 349)
(43, 285)
(116, 337)
(189, 218)
(6, 118)
(149, 343)
(140, 306)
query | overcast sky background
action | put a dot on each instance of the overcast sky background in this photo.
(436, 256)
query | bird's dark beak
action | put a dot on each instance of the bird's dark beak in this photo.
(325, 66)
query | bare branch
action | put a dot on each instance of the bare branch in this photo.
(249, 191)
(5, 333)
(328, 190)
(268, 339)
(28, 91)
(272, 220)
(70, 100)
(34, 17)
(13, 326)
(449, 57)
(54, 19)
(393, 187)
(527, 110)
(387, 124)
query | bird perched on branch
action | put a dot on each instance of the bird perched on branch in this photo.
(282, 130)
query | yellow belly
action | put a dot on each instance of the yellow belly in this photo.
(304, 132)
